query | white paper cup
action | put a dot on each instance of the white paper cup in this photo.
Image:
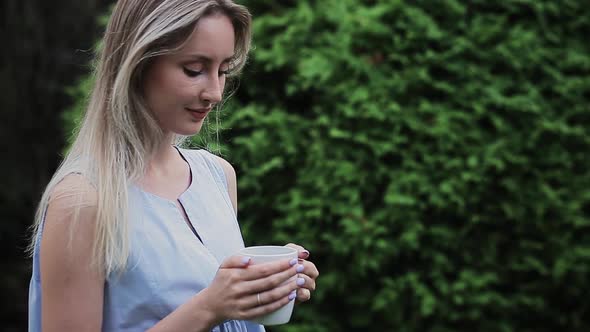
(265, 254)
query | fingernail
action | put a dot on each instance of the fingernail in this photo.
(300, 281)
(293, 261)
(299, 268)
(246, 260)
(306, 253)
(293, 295)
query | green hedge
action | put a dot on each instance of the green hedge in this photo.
(432, 155)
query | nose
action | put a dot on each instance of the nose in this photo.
(212, 93)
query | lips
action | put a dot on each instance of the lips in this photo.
(198, 114)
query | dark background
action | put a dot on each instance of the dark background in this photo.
(45, 47)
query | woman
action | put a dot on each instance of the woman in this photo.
(134, 233)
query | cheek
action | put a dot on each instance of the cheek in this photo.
(163, 90)
(154, 87)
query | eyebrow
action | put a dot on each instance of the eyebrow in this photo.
(204, 58)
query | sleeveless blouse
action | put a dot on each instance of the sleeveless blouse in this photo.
(168, 264)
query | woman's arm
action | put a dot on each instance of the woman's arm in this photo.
(72, 292)
(193, 315)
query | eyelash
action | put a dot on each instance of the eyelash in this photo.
(195, 73)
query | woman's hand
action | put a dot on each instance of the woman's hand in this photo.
(309, 274)
(243, 291)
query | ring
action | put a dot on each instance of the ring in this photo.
(258, 297)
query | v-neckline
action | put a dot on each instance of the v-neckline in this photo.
(184, 193)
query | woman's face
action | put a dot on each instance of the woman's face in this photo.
(181, 88)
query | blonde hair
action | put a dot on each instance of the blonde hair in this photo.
(118, 134)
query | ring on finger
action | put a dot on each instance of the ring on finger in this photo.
(258, 298)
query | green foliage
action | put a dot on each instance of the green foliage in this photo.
(432, 156)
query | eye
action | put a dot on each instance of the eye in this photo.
(191, 73)
(226, 71)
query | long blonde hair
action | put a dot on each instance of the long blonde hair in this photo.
(118, 134)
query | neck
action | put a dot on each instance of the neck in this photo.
(163, 157)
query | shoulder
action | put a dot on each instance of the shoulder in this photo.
(230, 179)
(218, 162)
(70, 216)
(74, 190)
(75, 182)
(69, 227)
(228, 169)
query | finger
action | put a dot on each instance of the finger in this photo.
(236, 261)
(301, 252)
(275, 294)
(259, 271)
(273, 281)
(268, 307)
(303, 295)
(309, 269)
(303, 281)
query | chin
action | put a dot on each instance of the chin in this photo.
(194, 129)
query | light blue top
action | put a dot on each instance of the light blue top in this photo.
(168, 263)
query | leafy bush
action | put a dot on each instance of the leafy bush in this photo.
(431, 155)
